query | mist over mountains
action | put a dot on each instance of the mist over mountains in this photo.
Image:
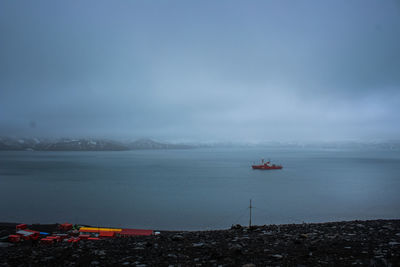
(87, 144)
(92, 144)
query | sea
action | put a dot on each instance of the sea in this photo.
(198, 189)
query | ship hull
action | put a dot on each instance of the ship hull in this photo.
(264, 167)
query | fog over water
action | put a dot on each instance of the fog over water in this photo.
(199, 71)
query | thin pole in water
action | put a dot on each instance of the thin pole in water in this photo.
(250, 214)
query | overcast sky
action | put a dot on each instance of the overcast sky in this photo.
(201, 70)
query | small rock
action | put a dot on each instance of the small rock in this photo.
(100, 252)
(236, 227)
(249, 265)
(198, 245)
(4, 244)
(268, 233)
(394, 243)
(297, 241)
(95, 263)
(235, 246)
(389, 227)
(277, 256)
(177, 238)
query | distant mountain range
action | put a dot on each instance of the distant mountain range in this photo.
(87, 144)
(150, 144)
(36, 144)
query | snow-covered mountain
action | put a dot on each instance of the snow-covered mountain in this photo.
(65, 144)
(150, 144)
(59, 145)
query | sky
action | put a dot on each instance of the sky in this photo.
(239, 71)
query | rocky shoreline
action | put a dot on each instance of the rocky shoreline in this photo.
(367, 243)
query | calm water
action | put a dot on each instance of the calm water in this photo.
(199, 188)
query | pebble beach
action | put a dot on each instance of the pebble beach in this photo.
(352, 243)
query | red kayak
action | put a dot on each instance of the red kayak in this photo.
(266, 166)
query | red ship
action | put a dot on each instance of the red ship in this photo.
(266, 166)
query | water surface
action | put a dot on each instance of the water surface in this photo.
(199, 188)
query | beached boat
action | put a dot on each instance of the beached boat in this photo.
(266, 166)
